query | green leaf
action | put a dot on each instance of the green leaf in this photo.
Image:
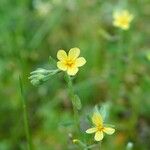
(77, 102)
(103, 110)
(66, 123)
(52, 61)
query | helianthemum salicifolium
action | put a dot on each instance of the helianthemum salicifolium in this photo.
(71, 62)
(122, 19)
(99, 128)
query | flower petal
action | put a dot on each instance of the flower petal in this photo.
(116, 23)
(98, 136)
(74, 53)
(61, 55)
(91, 130)
(80, 61)
(109, 130)
(97, 119)
(72, 71)
(61, 65)
(125, 27)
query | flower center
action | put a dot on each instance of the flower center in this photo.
(100, 128)
(69, 63)
(124, 21)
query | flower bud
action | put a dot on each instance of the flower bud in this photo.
(41, 75)
(129, 146)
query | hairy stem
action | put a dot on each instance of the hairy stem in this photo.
(71, 95)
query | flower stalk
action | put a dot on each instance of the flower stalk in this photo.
(71, 95)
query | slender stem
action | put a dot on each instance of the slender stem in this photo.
(25, 118)
(71, 94)
(118, 65)
(100, 146)
(120, 55)
(91, 146)
(120, 42)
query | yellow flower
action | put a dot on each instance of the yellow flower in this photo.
(70, 62)
(99, 128)
(122, 19)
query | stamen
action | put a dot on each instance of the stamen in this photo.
(69, 63)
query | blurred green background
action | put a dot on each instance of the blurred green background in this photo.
(116, 73)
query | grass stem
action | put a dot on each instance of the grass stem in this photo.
(25, 118)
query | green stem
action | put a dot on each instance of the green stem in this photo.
(100, 146)
(25, 118)
(71, 94)
(91, 146)
(120, 42)
(119, 66)
(120, 55)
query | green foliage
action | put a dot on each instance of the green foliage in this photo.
(116, 72)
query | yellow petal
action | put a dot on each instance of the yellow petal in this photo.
(109, 130)
(72, 71)
(97, 119)
(61, 65)
(61, 55)
(116, 23)
(91, 130)
(125, 27)
(74, 53)
(80, 61)
(98, 136)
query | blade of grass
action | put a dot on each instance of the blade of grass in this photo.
(25, 117)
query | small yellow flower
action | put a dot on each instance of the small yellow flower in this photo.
(70, 62)
(99, 128)
(122, 19)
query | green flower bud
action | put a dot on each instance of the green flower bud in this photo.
(129, 146)
(41, 75)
